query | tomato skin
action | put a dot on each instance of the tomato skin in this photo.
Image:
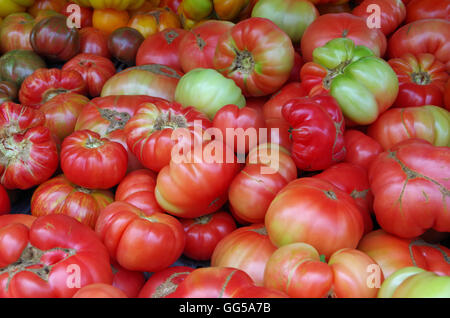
(447, 95)
(246, 118)
(124, 43)
(94, 41)
(338, 25)
(248, 249)
(430, 123)
(421, 205)
(338, 214)
(422, 36)
(149, 132)
(254, 291)
(44, 84)
(361, 149)
(17, 65)
(172, 4)
(229, 9)
(94, 69)
(99, 290)
(157, 240)
(420, 10)
(138, 189)
(25, 219)
(249, 44)
(59, 196)
(62, 245)
(163, 283)
(205, 232)
(15, 32)
(65, 41)
(162, 48)
(212, 282)
(393, 13)
(130, 282)
(46, 5)
(29, 153)
(108, 20)
(84, 153)
(421, 80)
(198, 46)
(352, 179)
(5, 202)
(156, 20)
(304, 116)
(393, 253)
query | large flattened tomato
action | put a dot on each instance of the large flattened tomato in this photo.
(317, 131)
(59, 196)
(93, 162)
(55, 257)
(421, 80)
(257, 55)
(410, 183)
(140, 242)
(28, 153)
(393, 253)
(422, 36)
(341, 25)
(314, 211)
(196, 182)
(164, 282)
(149, 132)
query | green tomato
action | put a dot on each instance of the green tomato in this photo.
(414, 282)
(363, 84)
(208, 91)
(292, 16)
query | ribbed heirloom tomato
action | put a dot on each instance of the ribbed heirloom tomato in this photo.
(162, 284)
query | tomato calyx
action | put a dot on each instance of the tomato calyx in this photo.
(48, 95)
(261, 231)
(330, 195)
(333, 72)
(243, 62)
(169, 120)
(116, 120)
(12, 149)
(200, 42)
(421, 242)
(421, 78)
(171, 36)
(31, 261)
(359, 194)
(205, 219)
(93, 143)
(168, 286)
(83, 190)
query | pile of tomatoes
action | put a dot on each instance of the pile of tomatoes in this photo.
(324, 161)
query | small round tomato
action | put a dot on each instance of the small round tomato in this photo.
(124, 43)
(205, 232)
(93, 162)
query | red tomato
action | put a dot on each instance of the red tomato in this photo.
(272, 112)
(15, 32)
(99, 290)
(236, 123)
(149, 132)
(393, 253)
(61, 113)
(138, 189)
(427, 9)
(247, 249)
(5, 202)
(341, 25)
(393, 12)
(140, 242)
(196, 184)
(44, 84)
(205, 232)
(130, 282)
(197, 47)
(329, 218)
(421, 79)
(93, 162)
(295, 72)
(447, 95)
(254, 291)
(162, 48)
(29, 153)
(25, 219)
(212, 282)
(269, 168)
(422, 36)
(46, 5)
(94, 69)
(59, 196)
(85, 14)
(54, 258)
(123, 44)
(409, 183)
(163, 283)
(257, 55)
(317, 131)
(298, 270)
(108, 116)
(94, 41)
(361, 149)
(352, 179)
